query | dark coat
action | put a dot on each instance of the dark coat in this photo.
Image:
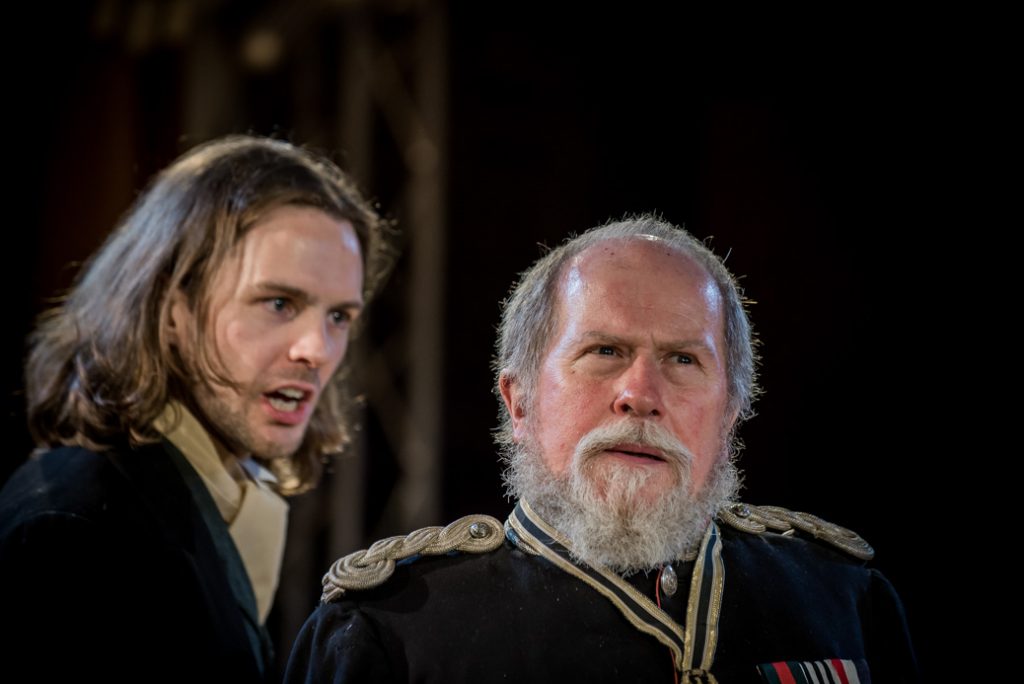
(506, 616)
(114, 567)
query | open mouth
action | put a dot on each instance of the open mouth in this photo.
(286, 399)
(638, 451)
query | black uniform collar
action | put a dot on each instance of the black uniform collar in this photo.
(693, 648)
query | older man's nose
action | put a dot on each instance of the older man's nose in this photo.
(639, 392)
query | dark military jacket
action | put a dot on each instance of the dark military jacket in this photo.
(790, 607)
(117, 567)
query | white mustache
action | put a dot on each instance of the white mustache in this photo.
(643, 433)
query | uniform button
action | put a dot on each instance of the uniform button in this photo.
(669, 581)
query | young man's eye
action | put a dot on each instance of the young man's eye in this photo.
(277, 304)
(340, 317)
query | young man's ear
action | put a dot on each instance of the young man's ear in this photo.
(177, 324)
(512, 394)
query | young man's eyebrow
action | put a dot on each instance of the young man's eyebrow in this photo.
(301, 295)
(280, 288)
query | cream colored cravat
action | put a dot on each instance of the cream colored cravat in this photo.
(256, 516)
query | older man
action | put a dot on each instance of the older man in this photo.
(186, 382)
(624, 366)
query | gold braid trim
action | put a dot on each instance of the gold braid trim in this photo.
(372, 567)
(758, 519)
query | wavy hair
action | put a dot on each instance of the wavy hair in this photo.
(101, 367)
(529, 316)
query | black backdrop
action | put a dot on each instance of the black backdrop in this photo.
(822, 163)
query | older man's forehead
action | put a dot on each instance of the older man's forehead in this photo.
(617, 251)
(605, 269)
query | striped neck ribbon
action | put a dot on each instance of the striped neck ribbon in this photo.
(692, 647)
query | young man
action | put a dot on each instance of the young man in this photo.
(187, 381)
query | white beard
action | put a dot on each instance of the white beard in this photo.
(600, 508)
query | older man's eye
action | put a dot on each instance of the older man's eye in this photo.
(683, 359)
(605, 350)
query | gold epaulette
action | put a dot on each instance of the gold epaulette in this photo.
(372, 567)
(759, 519)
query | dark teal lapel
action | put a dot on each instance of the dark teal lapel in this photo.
(189, 519)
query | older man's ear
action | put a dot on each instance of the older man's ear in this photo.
(512, 394)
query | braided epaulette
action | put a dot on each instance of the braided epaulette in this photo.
(372, 567)
(759, 519)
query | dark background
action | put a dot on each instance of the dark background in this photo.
(825, 163)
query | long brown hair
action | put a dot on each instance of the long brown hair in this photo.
(101, 367)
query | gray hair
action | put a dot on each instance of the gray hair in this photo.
(529, 317)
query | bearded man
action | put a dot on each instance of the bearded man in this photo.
(625, 363)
